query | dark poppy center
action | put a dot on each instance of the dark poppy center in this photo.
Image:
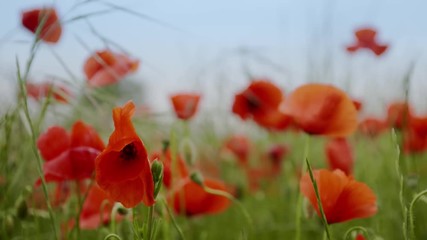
(252, 102)
(129, 152)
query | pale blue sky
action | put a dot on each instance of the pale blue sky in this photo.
(199, 54)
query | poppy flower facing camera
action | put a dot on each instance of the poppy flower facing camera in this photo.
(123, 169)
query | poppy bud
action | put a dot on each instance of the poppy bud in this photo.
(165, 145)
(122, 211)
(157, 172)
(197, 178)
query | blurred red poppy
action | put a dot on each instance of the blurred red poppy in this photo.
(372, 126)
(366, 39)
(96, 208)
(196, 200)
(69, 157)
(276, 154)
(340, 155)
(255, 177)
(61, 194)
(106, 67)
(321, 109)
(260, 101)
(399, 114)
(342, 197)
(123, 169)
(414, 142)
(50, 31)
(239, 145)
(41, 90)
(185, 104)
(166, 159)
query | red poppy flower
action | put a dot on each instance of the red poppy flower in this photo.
(340, 155)
(260, 101)
(415, 134)
(51, 30)
(123, 169)
(69, 157)
(372, 127)
(97, 204)
(366, 39)
(61, 194)
(399, 114)
(185, 104)
(106, 67)
(196, 200)
(276, 155)
(166, 159)
(239, 145)
(57, 196)
(41, 90)
(255, 176)
(342, 197)
(321, 109)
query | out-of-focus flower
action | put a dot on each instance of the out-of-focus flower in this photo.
(185, 104)
(191, 199)
(342, 197)
(372, 126)
(321, 109)
(239, 145)
(51, 29)
(260, 101)
(69, 157)
(366, 39)
(106, 67)
(340, 155)
(41, 90)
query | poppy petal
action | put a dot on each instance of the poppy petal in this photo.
(53, 142)
(85, 135)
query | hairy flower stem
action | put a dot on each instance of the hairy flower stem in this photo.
(410, 223)
(319, 201)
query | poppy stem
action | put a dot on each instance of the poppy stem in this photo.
(234, 200)
(79, 205)
(149, 232)
(22, 79)
(410, 218)
(299, 199)
(319, 201)
(175, 224)
(112, 236)
(398, 161)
